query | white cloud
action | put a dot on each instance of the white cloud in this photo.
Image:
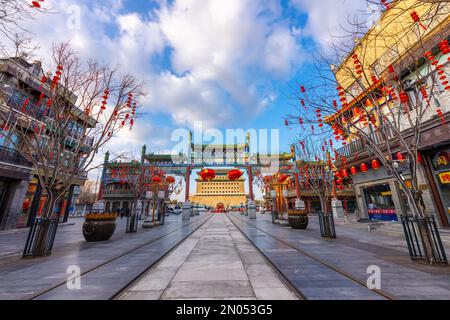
(328, 18)
(224, 55)
(221, 52)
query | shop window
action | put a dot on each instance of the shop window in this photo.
(441, 168)
(380, 205)
(115, 206)
(27, 203)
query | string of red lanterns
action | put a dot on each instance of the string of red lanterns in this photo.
(36, 4)
(416, 18)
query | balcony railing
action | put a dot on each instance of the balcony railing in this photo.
(359, 145)
(11, 156)
(118, 192)
(18, 103)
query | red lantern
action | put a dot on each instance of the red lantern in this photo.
(341, 187)
(364, 167)
(170, 180)
(400, 156)
(344, 173)
(156, 179)
(282, 178)
(353, 170)
(234, 174)
(207, 174)
(416, 18)
(375, 164)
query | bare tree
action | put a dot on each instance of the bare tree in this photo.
(390, 81)
(315, 168)
(59, 122)
(88, 193)
(14, 16)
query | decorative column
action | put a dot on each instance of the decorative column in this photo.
(188, 182)
(102, 182)
(250, 184)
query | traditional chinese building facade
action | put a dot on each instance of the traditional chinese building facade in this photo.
(220, 191)
(21, 196)
(378, 194)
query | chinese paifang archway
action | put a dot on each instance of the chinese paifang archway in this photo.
(201, 157)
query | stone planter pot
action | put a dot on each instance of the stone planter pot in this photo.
(298, 219)
(99, 227)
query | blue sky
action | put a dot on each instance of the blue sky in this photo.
(226, 63)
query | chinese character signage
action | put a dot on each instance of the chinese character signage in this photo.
(444, 177)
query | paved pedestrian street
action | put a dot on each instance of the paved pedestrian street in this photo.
(216, 262)
(221, 257)
(106, 267)
(337, 269)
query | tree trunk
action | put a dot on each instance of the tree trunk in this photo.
(415, 203)
(45, 224)
(323, 204)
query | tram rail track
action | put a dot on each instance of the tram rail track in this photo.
(336, 269)
(49, 289)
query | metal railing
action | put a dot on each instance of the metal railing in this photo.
(423, 239)
(326, 223)
(18, 103)
(12, 156)
(41, 237)
(359, 145)
(118, 192)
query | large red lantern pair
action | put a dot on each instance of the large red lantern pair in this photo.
(234, 174)
(207, 174)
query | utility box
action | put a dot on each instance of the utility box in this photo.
(338, 209)
(300, 205)
(186, 211)
(251, 209)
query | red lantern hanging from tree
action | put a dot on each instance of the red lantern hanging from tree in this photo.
(375, 164)
(364, 167)
(282, 178)
(416, 19)
(400, 156)
(156, 179)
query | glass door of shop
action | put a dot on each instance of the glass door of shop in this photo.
(380, 205)
(441, 169)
